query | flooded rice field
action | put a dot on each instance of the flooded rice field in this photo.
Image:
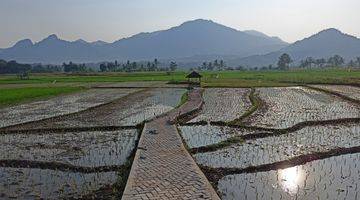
(62, 165)
(127, 111)
(21, 183)
(64, 158)
(160, 101)
(198, 136)
(332, 178)
(282, 155)
(274, 149)
(88, 149)
(204, 135)
(79, 148)
(224, 104)
(61, 105)
(285, 107)
(349, 91)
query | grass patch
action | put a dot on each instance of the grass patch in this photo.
(12, 96)
(256, 103)
(281, 78)
(184, 99)
(210, 78)
(95, 77)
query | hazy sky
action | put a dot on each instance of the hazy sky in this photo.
(110, 20)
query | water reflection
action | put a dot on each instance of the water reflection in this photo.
(290, 179)
(332, 178)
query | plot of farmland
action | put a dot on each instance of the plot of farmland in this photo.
(224, 104)
(274, 149)
(332, 178)
(285, 107)
(79, 149)
(59, 105)
(130, 110)
(349, 91)
(198, 136)
(16, 183)
(88, 149)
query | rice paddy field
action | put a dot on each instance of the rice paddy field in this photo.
(297, 141)
(300, 143)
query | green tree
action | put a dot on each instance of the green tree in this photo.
(352, 63)
(156, 62)
(358, 61)
(221, 65)
(284, 61)
(336, 61)
(203, 67)
(173, 66)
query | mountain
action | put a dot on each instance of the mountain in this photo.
(193, 38)
(324, 44)
(99, 43)
(260, 34)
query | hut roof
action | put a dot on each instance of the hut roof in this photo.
(193, 74)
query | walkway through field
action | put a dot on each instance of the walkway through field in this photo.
(162, 167)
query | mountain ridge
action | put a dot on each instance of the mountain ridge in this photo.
(191, 42)
(323, 44)
(196, 37)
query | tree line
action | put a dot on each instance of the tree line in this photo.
(211, 66)
(284, 61)
(335, 60)
(12, 67)
(136, 66)
(310, 62)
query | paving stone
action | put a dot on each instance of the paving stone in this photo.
(168, 170)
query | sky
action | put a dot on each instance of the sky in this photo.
(111, 20)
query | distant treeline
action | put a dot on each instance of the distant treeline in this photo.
(284, 62)
(136, 66)
(335, 60)
(12, 67)
(216, 65)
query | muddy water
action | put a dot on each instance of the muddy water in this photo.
(160, 101)
(224, 104)
(198, 136)
(332, 178)
(50, 184)
(128, 111)
(289, 106)
(59, 105)
(88, 149)
(350, 91)
(274, 149)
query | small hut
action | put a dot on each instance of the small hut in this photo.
(194, 75)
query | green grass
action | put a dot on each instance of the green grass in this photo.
(256, 104)
(12, 96)
(184, 99)
(98, 77)
(210, 79)
(281, 78)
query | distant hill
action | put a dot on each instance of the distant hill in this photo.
(260, 34)
(321, 45)
(192, 38)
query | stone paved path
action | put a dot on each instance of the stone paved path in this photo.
(162, 168)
